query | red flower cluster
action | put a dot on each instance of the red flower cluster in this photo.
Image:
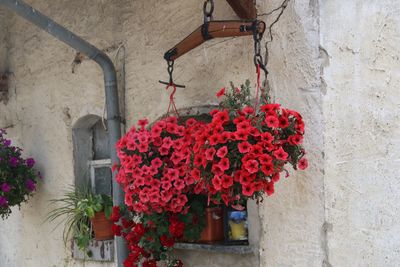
(141, 237)
(154, 169)
(241, 154)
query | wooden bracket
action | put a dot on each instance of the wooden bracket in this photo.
(214, 29)
(245, 9)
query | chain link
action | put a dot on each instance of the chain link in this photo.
(170, 70)
(257, 36)
(208, 10)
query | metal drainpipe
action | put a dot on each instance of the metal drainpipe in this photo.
(110, 82)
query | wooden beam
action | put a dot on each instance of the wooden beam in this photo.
(214, 29)
(245, 9)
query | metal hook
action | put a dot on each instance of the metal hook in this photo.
(170, 70)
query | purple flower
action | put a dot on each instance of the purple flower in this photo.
(7, 143)
(13, 161)
(5, 187)
(3, 201)
(30, 185)
(30, 162)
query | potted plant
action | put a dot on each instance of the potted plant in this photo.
(84, 213)
(18, 178)
(241, 153)
(237, 153)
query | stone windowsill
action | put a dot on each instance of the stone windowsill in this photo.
(232, 249)
(102, 251)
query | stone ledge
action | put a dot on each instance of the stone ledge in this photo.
(232, 249)
(102, 251)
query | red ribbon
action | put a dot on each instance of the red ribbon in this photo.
(171, 99)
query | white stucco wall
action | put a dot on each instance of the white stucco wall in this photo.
(334, 61)
(293, 218)
(361, 113)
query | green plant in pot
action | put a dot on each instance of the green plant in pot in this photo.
(83, 213)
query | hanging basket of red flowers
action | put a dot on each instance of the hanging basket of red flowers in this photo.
(243, 150)
(237, 152)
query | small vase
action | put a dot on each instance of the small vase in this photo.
(102, 227)
(214, 228)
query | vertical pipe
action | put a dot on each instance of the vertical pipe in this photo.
(110, 83)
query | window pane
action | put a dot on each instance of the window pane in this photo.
(103, 180)
(101, 145)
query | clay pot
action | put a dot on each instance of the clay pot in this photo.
(102, 227)
(214, 228)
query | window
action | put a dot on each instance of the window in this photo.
(92, 155)
(92, 167)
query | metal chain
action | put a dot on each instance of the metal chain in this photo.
(170, 70)
(258, 58)
(208, 10)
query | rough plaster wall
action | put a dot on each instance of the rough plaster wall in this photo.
(47, 100)
(292, 219)
(361, 110)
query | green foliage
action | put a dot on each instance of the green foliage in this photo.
(76, 208)
(237, 98)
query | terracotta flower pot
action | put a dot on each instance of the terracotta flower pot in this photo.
(102, 227)
(214, 229)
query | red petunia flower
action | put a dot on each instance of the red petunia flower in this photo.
(239, 119)
(276, 177)
(217, 183)
(265, 159)
(248, 189)
(143, 123)
(244, 147)
(243, 126)
(267, 137)
(283, 122)
(221, 117)
(267, 169)
(256, 150)
(269, 188)
(224, 164)
(295, 139)
(221, 92)
(214, 139)
(272, 121)
(241, 135)
(115, 214)
(280, 154)
(248, 110)
(268, 108)
(179, 184)
(251, 166)
(210, 153)
(116, 229)
(226, 181)
(167, 241)
(222, 152)
(303, 164)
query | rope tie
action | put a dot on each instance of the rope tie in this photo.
(171, 99)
